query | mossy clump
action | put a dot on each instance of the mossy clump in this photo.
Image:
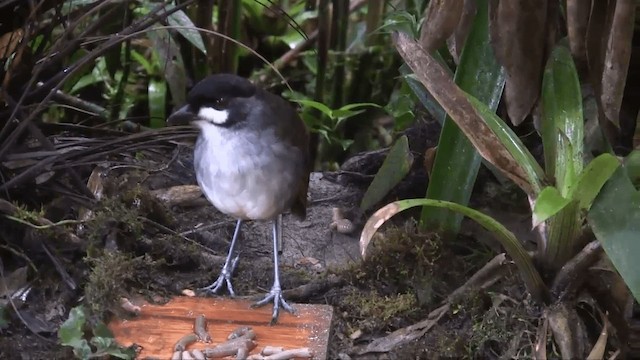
(492, 325)
(177, 252)
(147, 205)
(125, 222)
(113, 275)
(368, 311)
(113, 219)
(404, 260)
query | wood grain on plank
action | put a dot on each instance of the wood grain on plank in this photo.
(159, 327)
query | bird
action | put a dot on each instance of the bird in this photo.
(252, 162)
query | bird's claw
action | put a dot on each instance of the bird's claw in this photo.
(223, 279)
(275, 296)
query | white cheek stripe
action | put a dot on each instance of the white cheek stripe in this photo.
(212, 115)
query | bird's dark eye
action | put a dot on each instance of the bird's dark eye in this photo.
(220, 103)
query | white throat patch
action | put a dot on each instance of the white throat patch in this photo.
(213, 116)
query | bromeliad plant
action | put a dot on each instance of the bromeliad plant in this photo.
(562, 195)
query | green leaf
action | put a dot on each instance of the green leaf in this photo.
(457, 162)
(401, 106)
(425, 98)
(121, 353)
(108, 346)
(344, 143)
(140, 59)
(186, 28)
(71, 331)
(562, 132)
(81, 349)
(394, 168)
(615, 220)
(548, 203)
(632, 164)
(83, 82)
(316, 105)
(358, 105)
(169, 64)
(101, 330)
(513, 144)
(400, 21)
(342, 114)
(4, 321)
(102, 343)
(592, 179)
(157, 103)
(507, 239)
(562, 121)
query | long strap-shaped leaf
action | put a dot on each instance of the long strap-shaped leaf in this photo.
(455, 102)
(456, 163)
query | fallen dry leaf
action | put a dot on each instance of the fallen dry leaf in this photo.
(577, 22)
(518, 42)
(441, 20)
(456, 42)
(373, 224)
(9, 42)
(616, 60)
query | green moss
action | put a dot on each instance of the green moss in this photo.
(113, 275)
(369, 311)
(403, 260)
(147, 205)
(113, 218)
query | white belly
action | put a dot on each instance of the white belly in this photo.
(244, 177)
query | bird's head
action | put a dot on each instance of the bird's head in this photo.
(221, 100)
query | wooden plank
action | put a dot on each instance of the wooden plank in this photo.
(159, 327)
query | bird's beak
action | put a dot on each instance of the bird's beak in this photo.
(182, 116)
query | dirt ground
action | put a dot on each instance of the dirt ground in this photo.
(137, 246)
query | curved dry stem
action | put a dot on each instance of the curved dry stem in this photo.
(574, 272)
(568, 330)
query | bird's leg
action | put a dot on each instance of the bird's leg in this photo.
(228, 268)
(275, 294)
(279, 234)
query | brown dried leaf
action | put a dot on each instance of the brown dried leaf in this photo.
(441, 86)
(616, 61)
(596, 41)
(373, 224)
(456, 42)
(597, 352)
(540, 349)
(601, 15)
(9, 42)
(441, 20)
(568, 330)
(577, 21)
(518, 40)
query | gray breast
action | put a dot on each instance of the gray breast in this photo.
(247, 174)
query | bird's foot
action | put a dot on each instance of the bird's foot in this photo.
(275, 296)
(223, 279)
